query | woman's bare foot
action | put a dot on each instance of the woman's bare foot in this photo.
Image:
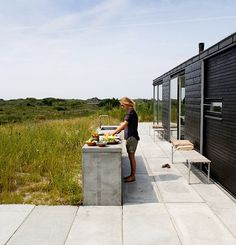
(126, 177)
(130, 178)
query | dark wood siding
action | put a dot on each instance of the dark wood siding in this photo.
(192, 100)
(166, 106)
(220, 135)
(193, 103)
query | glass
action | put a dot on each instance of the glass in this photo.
(173, 108)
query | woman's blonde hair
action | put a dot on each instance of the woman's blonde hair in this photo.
(127, 101)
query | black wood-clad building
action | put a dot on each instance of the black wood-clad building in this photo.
(197, 101)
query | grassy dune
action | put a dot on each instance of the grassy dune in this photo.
(40, 163)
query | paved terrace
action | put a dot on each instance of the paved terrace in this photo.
(159, 208)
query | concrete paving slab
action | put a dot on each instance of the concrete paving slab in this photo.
(45, 225)
(227, 216)
(147, 141)
(148, 224)
(143, 190)
(174, 188)
(11, 217)
(214, 196)
(223, 206)
(141, 167)
(143, 128)
(147, 146)
(182, 168)
(197, 224)
(165, 146)
(153, 153)
(147, 138)
(155, 165)
(150, 145)
(97, 226)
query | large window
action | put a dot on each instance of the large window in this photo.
(181, 106)
(213, 108)
(177, 107)
(157, 104)
(173, 108)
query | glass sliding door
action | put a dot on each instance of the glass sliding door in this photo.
(154, 105)
(174, 108)
(181, 106)
(177, 107)
(159, 104)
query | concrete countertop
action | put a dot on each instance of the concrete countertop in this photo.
(107, 149)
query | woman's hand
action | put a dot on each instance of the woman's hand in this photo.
(112, 132)
(122, 126)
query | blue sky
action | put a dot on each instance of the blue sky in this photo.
(102, 48)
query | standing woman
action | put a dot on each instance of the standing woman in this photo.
(130, 126)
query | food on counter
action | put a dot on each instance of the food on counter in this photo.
(91, 142)
(102, 141)
(110, 139)
(95, 136)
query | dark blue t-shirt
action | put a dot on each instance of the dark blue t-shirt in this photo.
(132, 128)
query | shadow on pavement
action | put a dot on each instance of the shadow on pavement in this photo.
(143, 190)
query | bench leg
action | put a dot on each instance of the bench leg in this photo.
(189, 169)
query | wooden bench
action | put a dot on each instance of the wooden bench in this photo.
(157, 129)
(190, 155)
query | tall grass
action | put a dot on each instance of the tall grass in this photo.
(41, 162)
(144, 111)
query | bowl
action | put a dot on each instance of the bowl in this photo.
(91, 143)
(101, 144)
(113, 142)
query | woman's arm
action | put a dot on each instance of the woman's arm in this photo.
(122, 126)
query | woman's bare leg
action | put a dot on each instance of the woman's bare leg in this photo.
(132, 164)
(132, 160)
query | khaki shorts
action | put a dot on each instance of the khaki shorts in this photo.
(131, 144)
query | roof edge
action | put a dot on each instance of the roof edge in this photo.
(221, 45)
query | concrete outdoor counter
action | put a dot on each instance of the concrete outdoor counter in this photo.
(107, 148)
(102, 175)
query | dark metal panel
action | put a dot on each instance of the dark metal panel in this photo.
(166, 106)
(220, 135)
(193, 103)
